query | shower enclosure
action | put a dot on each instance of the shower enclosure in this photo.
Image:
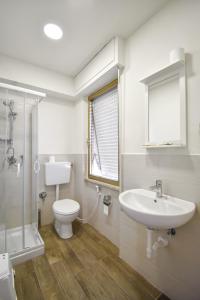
(19, 168)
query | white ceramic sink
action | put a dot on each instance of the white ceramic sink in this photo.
(156, 213)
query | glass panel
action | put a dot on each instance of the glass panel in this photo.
(3, 124)
(30, 179)
(13, 170)
(35, 164)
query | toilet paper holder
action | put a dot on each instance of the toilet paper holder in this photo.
(107, 200)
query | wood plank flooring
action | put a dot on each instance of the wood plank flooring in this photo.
(86, 266)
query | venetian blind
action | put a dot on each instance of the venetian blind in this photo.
(104, 136)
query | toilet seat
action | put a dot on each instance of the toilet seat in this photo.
(66, 207)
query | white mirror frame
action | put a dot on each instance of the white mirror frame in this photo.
(176, 69)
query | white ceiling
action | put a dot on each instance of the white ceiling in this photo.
(87, 26)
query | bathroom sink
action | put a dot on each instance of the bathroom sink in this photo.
(156, 213)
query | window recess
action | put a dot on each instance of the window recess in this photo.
(103, 133)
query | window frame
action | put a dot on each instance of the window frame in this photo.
(91, 98)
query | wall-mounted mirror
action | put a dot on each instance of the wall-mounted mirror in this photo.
(165, 98)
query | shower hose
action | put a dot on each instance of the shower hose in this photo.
(94, 208)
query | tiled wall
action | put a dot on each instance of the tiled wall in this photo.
(175, 269)
(107, 225)
(66, 190)
(85, 193)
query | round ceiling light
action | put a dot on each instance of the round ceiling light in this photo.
(53, 31)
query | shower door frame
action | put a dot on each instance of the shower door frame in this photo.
(38, 249)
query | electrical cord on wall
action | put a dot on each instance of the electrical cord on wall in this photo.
(95, 206)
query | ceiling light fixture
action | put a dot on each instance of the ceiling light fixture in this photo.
(53, 31)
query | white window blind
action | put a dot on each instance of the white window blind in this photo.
(104, 145)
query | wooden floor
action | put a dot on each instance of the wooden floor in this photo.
(86, 266)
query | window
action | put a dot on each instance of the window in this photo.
(103, 132)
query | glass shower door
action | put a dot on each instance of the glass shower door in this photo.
(34, 244)
(19, 168)
(2, 173)
(31, 169)
(14, 172)
(35, 166)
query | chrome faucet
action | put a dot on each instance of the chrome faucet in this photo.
(157, 188)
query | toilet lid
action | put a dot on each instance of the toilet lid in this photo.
(66, 206)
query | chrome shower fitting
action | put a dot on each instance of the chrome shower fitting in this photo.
(11, 116)
(43, 195)
(10, 104)
(10, 153)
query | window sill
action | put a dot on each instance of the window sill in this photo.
(107, 185)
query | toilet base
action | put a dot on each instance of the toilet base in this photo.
(63, 230)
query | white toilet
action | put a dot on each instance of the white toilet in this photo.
(65, 210)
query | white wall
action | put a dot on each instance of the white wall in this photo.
(177, 25)
(57, 132)
(56, 127)
(81, 122)
(175, 269)
(27, 74)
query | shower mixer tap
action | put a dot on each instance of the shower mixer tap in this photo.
(11, 156)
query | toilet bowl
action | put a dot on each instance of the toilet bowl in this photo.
(65, 212)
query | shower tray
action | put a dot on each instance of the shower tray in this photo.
(33, 243)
